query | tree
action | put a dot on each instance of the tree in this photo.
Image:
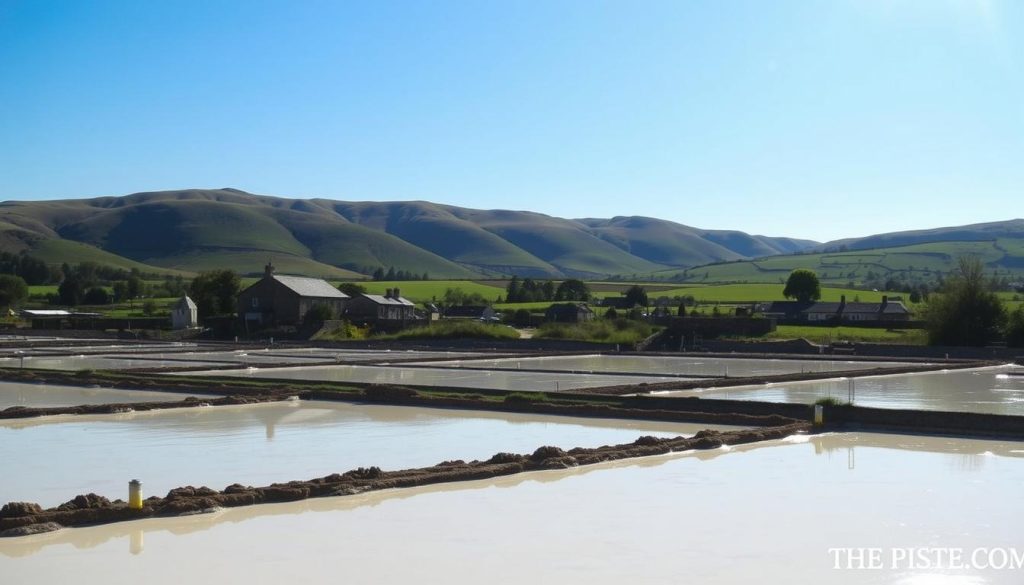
(611, 314)
(965, 312)
(352, 289)
(681, 311)
(318, 313)
(572, 290)
(512, 290)
(803, 285)
(215, 292)
(13, 290)
(521, 318)
(1015, 328)
(134, 287)
(70, 291)
(120, 291)
(149, 308)
(96, 295)
(636, 296)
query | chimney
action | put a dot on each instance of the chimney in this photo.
(396, 294)
(885, 301)
(387, 294)
(842, 300)
(268, 270)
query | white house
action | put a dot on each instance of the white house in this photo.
(184, 314)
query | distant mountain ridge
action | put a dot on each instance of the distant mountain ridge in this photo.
(199, 229)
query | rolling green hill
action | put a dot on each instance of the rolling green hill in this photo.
(200, 229)
(916, 262)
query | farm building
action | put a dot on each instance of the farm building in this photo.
(569, 313)
(386, 310)
(284, 300)
(887, 311)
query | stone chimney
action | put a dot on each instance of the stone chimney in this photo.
(268, 270)
(387, 293)
(885, 301)
(842, 300)
(397, 294)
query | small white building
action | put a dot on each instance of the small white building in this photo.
(184, 314)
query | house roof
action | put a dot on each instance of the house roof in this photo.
(310, 287)
(795, 307)
(184, 303)
(383, 300)
(569, 308)
(466, 311)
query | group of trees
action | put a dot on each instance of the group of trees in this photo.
(530, 290)
(968, 312)
(392, 274)
(215, 292)
(30, 269)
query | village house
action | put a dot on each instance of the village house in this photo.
(477, 312)
(568, 313)
(887, 311)
(276, 300)
(184, 313)
(385, 311)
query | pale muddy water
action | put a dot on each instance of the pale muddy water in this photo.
(84, 362)
(494, 379)
(654, 365)
(989, 390)
(42, 395)
(369, 354)
(100, 349)
(766, 513)
(60, 457)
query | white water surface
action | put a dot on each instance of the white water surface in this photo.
(765, 513)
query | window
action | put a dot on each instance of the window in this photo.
(255, 301)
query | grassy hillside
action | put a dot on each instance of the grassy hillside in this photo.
(60, 251)
(915, 262)
(420, 224)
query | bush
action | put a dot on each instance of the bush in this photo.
(1015, 328)
(617, 331)
(318, 314)
(456, 330)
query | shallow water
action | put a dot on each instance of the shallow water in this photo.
(988, 390)
(60, 457)
(696, 366)
(494, 379)
(43, 395)
(84, 362)
(100, 349)
(766, 513)
(370, 354)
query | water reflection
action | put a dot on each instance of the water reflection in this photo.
(985, 390)
(839, 450)
(59, 457)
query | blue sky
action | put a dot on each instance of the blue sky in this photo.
(815, 119)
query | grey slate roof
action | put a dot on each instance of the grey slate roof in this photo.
(310, 287)
(795, 307)
(382, 300)
(185, 303)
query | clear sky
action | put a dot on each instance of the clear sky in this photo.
(816, 119)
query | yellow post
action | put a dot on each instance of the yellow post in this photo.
(135, 494)
(819, 414)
